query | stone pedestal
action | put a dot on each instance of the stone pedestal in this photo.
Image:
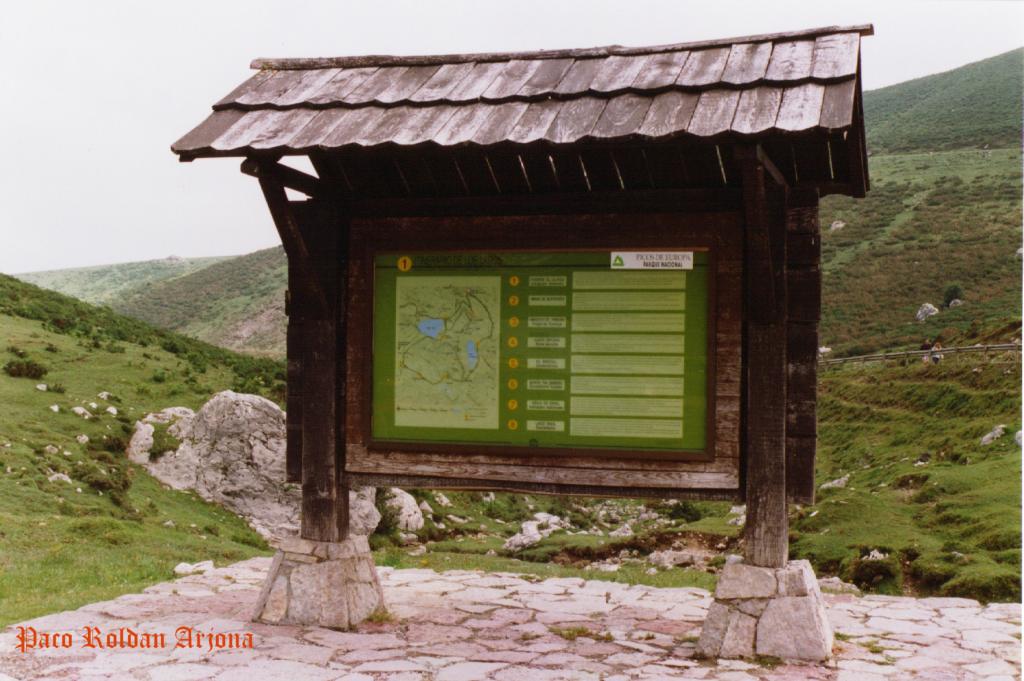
(324, 584)
(776, 612)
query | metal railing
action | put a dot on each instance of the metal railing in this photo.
(910, 354)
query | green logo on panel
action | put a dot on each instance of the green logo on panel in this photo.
(617, 262)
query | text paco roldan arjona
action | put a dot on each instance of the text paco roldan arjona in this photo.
(29, 638)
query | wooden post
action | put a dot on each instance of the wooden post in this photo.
(767, 529)
(312, 237)
(293, 396)
(803, 311)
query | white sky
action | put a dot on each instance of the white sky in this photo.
(95, 93)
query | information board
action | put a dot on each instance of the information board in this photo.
(595, 349)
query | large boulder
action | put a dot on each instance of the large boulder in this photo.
(232, 452)
(408, 515)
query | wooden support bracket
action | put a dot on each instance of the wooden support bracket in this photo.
(289, 177)
(770, 167)
(288, 228)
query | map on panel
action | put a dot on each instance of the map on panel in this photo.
(446, 351)
(581, 349)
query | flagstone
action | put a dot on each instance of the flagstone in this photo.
(181, 672)
(278, 670)
(396, 665)
(467, 671)
(427, 633)
(512, 656)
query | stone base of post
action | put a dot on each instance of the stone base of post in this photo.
(326, 584)
(776, 612)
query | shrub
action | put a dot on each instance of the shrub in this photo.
(685, 511)
(25, 368)
(16, 351)
(113, 481)
(388, 525)
(952, 292)
(874, 574)
(172, 346)
(163, 441)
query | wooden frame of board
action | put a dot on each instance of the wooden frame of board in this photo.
(711, 473)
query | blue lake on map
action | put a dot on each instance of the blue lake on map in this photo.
(471, 353)
(431, 327)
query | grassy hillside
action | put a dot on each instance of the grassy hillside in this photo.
(923, 490)
(931, 221)
(113, 528)
(237, 303)
(977, 105)
(106, 284)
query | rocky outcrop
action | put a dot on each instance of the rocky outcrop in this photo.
(232, 452)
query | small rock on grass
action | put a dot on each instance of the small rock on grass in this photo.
(182, 569)
(624, 531)
(925, 311)
(837, 586)
(993, 435)
(838, 483)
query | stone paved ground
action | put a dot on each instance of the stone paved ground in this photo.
(471, 625)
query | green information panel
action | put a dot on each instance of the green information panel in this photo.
(583, 350)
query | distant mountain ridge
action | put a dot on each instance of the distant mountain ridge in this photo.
(928, 220)
(237, 303)
(107, 284)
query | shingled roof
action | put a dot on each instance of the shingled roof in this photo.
(794, 84)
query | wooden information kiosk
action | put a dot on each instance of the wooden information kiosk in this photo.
(589, 271)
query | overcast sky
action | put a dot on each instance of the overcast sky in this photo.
(95, 93)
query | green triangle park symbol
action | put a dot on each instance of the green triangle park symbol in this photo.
(617, 262)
